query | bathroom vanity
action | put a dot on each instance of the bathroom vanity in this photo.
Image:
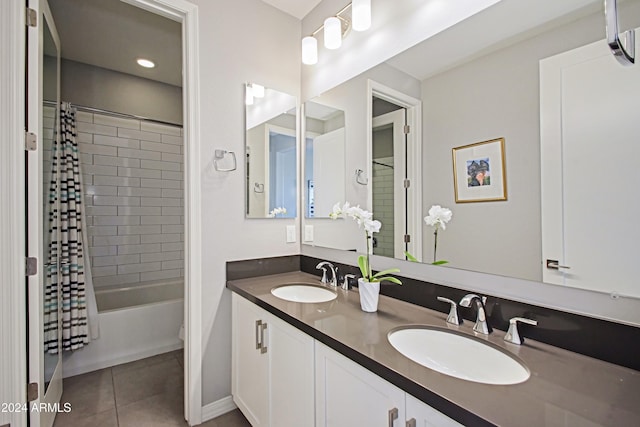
(329, 363)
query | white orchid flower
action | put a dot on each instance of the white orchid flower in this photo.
(277, 211)
(372, 226)
(438, 217)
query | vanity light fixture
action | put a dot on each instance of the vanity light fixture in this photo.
(309, 50)
(332, 33)
(146, 63)
(361, 15)
(335, 28)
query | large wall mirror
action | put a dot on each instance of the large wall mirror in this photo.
(485, 92)
(271, 153)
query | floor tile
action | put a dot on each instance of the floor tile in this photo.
(162, 410)
(164, 377)
(71, 419)
(230, 419)
(142, 363)
(89, 394)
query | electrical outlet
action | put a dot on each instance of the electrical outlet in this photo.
(291, 233)
(308, 233)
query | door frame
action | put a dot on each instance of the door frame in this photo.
(414, 155)
(13, 309)
(186, 13)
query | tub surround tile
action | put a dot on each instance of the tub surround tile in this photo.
(160, 275)
(130, 174)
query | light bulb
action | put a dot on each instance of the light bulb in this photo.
(309, 50)
(145, 63)
(332, 33)
(361, 14)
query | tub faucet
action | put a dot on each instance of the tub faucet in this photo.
(481, 325)
(334, 273)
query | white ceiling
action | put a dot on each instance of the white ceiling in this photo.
(297, 8)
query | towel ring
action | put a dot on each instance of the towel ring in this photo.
(221, 154)
(361, 177)
(258, 188)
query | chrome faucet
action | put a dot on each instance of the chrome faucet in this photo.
(481, 325)
(334, 272)
(454, 316)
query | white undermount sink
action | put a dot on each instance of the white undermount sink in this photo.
(304, 293)
(458, 355)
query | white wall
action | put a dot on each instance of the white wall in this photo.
(96, 87)
(243, 40)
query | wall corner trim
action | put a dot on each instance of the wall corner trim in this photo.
(217, 408)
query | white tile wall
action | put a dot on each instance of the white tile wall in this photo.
(383, 206)
(134, 200)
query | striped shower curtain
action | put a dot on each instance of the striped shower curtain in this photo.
(67, 244)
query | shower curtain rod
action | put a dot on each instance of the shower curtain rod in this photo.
(116, 114)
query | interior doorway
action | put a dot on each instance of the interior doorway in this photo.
(394, 147)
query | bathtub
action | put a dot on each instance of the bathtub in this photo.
(136, 321)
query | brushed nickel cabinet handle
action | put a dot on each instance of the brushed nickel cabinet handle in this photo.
(393, 415)
(258, 331)
(263, 347)
(411, 423)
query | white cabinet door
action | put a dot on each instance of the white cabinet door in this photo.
(419, 414)
(273, 368)
(291, 370)
(348, 395)
(250, 376)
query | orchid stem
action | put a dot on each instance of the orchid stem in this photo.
(435, 244)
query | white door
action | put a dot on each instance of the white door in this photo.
(328, 171)
(590, 131)
(389, 196)
(291, 375)
(43, 88)
(250, 369)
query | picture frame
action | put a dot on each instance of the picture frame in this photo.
(479, 172)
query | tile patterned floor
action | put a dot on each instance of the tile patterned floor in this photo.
(144, 393)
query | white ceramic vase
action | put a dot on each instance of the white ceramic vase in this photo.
(369, 293)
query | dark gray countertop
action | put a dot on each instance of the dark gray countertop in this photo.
(565, 388)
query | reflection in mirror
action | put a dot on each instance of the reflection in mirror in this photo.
(490, 89)
(324, 167)
(271, 129)
(50, 123)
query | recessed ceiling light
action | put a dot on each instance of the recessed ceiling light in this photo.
(145, 63)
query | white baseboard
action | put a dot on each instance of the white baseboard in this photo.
(217, 408)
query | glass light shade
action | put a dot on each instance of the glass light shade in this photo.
(309, 50)
(332, 33)
(361, 14)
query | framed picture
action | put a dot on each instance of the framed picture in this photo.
(479, 172)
